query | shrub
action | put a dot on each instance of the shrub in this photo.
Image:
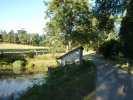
(30, 66)
(1, 54)
(109, 48)
(30, 54)
(87, 64)
(61, 73)
(47, 56)
(18, 66)
(126, 32)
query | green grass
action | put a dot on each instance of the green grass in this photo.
(17, 46)
(48, 56)
(123, 63)
(79, 85)
(41, 64)
(10, 49)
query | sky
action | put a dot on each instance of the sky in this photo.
(27, 14)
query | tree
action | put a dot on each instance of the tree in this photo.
(22, 36)
(35, 39)
(4, 36)
(70, 23)
(126, 32)
(1, 39)
(109, 11)
(12, 37)
(119, 8)
(42, 40)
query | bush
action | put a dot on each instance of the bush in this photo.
(30, 66)
(61, 73)
(87, 64)
(30, 54)
(109, 48)
(126, 36)
(1, 54)
(18, 66)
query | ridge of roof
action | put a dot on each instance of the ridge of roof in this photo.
(80, 47)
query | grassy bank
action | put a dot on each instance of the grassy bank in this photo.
(77, 83)
(12, 66)
(125, 64)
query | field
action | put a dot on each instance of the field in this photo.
(18, 49)
(6, 46)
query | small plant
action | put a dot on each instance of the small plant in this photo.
(18, 66)
(30, 66)
(1, 54)
(109, 48)
(30, 54)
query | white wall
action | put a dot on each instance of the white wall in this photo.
(73, 57)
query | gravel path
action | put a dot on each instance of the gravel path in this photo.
(112, 83)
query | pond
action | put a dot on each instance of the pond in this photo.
(13, 87)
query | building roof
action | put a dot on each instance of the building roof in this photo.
(80, 47)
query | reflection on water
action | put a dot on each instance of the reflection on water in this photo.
(12, 87)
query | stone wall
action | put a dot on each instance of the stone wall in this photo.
(71, 58)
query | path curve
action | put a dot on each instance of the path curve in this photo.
(112, 83)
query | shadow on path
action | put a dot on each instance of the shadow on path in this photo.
(112, 83)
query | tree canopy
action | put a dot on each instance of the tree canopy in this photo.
(118, 8)
(70, 22)
(22, 37)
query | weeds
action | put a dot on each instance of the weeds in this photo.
(69, 82)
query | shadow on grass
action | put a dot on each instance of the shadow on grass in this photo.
(78, 84)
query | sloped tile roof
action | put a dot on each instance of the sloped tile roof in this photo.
(80, 47)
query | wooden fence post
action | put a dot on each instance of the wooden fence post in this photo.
(49, 76)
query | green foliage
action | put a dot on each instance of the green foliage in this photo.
(122, 11)
(126, 32)
(30, 66)
(114, 6)
(12, 37)
(33, 65)
(106, 23)
(104, 9)
(61, 73)
(48, 56)
(109, 48)
(21, 37)
(88, 64)
(70, 23)
(77, 86)
(1, 40)
(1, 54)
(18, 66)
(30, 54)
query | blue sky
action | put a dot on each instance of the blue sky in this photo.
(27, 14)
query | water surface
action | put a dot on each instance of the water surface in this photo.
(13, 87)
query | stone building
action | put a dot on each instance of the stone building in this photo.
(73, 56)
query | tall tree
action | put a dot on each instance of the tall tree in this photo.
(22, 35)
(70, 22)
(35, 39)
(4, 36)
(1, 39)
(126, 31)
(109, 10)
(119, 8)
(12, 37)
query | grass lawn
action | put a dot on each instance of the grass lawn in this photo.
(17, 46)
(78, 86)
